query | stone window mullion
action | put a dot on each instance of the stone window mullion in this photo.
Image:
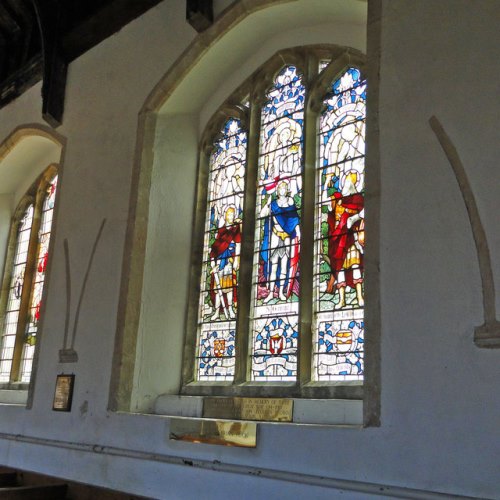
(191, 347)
(243, 336)
(307, 251)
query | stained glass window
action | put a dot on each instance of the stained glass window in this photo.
(339, 300)
(39, 280)
(24, 301)
(222, 250)
(15, 294)
(323, 64)
(301, 287)
(278, 236)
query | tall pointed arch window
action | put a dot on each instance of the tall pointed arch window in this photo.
(24, 279)
(281, 295)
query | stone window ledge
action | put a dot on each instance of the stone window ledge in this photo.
(305, 411)
(13, 396)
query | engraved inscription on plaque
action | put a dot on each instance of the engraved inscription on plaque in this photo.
(63, 394)
(221, 408)
(225, 433)
(259, 409)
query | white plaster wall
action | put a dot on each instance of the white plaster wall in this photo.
(440, 401)
(166, 270)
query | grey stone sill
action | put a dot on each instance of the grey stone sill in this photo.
(13, 397)
(305, 411)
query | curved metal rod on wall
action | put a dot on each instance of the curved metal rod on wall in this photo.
(68, 354)
(488, 334)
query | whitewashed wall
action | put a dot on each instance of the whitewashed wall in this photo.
(440, 402)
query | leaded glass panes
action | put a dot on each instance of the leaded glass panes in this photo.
(339, 241)
(26, 273)
(301, 290)
(276, 273)
(221, 255)
(15, 294)
(323, 64)
(39, 280)
(275, 344)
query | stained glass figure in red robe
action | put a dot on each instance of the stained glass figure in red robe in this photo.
(224, 260)
(346, 238)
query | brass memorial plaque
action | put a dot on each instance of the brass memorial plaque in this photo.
(259, 409)
(224, 433)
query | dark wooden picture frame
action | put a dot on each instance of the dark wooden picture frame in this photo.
(63, 394)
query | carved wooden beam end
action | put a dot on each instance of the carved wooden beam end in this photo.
(200, 14)
(49, 18)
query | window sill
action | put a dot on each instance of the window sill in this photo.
(347, 412)
(13, 397)
(352, 390)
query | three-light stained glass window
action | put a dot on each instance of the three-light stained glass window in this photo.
(325, 213)
(38, 280)
(27, 278)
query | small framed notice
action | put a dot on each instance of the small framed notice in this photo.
(63, 395)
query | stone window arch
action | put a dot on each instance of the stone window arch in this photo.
(218, 75)
(29, 164)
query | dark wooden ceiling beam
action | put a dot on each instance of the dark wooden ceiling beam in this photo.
(41, 37)
(8, 22)
(19, 82)
(12, 37)
(102, 23)
(55, 67)
(200, 14)
(24, 15)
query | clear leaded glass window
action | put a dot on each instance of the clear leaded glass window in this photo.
(282, 274)
(26, 273)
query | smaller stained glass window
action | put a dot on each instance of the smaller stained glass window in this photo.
(15, 294)
(27, 279)
(38, 281)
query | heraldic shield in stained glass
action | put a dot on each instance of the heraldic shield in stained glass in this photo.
(278, 213)
(275, 349)
(221, 255)
(340, 236)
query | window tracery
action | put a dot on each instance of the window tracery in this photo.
(281, 297)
